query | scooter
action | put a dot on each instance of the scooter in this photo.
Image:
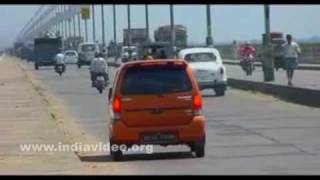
(100, 83)
(59, 69)
(247, 65)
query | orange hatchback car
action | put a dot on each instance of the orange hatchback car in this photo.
(156, 102)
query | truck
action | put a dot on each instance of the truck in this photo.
(17, 48)
(163, 34)
(45, 50)
(277, 41)
(138, 36)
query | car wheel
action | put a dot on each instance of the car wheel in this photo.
(199, 149)
(116, 155)
(79, 65)
(220, 91)
(36, 66)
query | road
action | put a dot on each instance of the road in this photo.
(246, 133)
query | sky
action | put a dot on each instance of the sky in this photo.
(229, 22)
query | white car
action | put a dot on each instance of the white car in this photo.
(207, 66)
(71, 57)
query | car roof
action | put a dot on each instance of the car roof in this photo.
(70, 51)
(186, 51)
(154, 61)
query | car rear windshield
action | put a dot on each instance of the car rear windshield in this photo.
(88, 47)
(70, 53)
(155, 80)
(200, 57)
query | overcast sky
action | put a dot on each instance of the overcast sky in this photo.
(229, 22)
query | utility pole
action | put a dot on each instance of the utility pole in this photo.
(209, 40)
(69, 25)
(173, 33)
(74, 31)
(74, 25)
(147, 20)
(93, 25)
(65, 23)
(114, 24)
(102, 24)
(79, 24)
(86, 29)
(129, 25)
(115, 31)
(268, 57)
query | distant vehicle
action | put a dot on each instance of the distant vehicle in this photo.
(128, 53)
(163, 34)
(86, 52)
(247, 64)
(45, 50)
(208, 68)
(163, 92)
(277, 41)
(154, 49)
(138, 36)
(71, 57)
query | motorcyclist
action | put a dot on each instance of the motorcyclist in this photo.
(59, 61)
(98, 66)
(247, 53)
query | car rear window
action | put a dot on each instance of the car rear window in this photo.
(200, 57)
(155, 80)
(70, 53)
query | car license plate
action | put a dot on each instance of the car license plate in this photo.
(159, 138)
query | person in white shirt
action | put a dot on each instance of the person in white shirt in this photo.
(98, 65)
(291, 52)
(59, 60)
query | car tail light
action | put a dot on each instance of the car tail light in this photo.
(197, 104)
(116, 107)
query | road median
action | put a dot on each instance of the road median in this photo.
(304, 96)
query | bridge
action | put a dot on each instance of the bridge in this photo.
(261, 125)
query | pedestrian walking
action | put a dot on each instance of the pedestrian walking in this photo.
(291, 52)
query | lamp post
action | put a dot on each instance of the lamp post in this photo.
(268, 56)
(209, 40)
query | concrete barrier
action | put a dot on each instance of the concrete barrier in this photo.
(312, 67)
(309, 97)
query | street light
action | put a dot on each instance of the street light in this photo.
(129, 25)
(268, 57)
(209, 40)
(147, 20)
(173, 34)
(115, 31)
(93, 25)
(102, 24)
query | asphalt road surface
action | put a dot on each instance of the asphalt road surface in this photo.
(246, 133)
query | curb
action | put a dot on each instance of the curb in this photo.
(309, 97)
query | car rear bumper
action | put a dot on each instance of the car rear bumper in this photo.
(122, 134)
(45, 63)
(84, 62)
(212, 84)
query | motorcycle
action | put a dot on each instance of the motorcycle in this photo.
(247, 65)
(100, 83)
(59, 69)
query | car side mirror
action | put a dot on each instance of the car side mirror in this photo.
(109, 94)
